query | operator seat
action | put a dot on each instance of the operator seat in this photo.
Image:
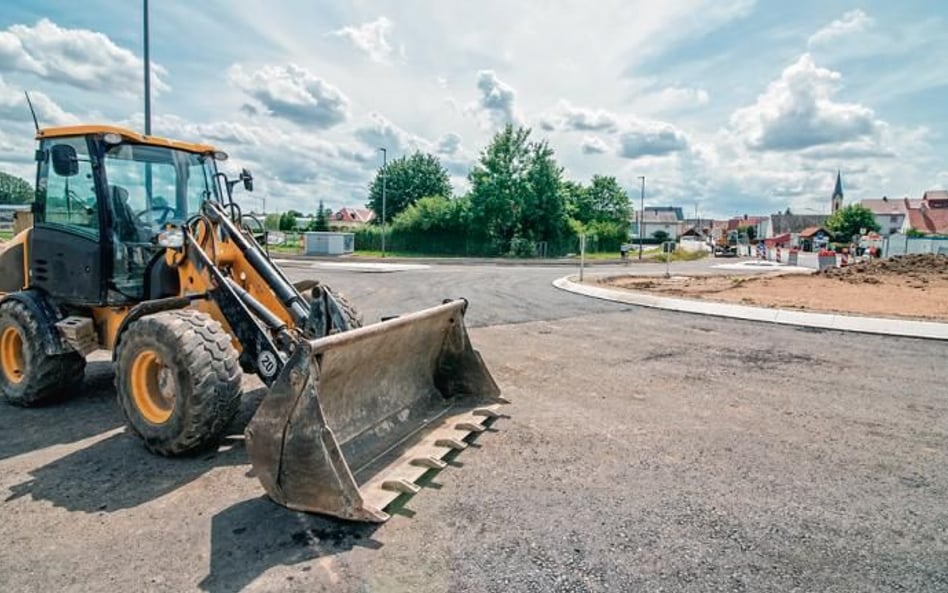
(124, 222)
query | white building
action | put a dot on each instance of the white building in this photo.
(891, 215)
(668, 219)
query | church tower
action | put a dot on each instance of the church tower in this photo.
(837, 194)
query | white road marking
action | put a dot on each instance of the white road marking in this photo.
(352, 266)
(763, 266)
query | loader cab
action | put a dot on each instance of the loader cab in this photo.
(103, 196)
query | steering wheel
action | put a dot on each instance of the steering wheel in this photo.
(166, 212)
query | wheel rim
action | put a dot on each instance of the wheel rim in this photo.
(153, 387)
(11, 355)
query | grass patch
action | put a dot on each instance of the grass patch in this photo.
(681, 255)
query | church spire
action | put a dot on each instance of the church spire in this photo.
(838, 193)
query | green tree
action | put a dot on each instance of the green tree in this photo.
(288, 221)
(434, 214)
(320, 222)
(517, 192)
(407, 180)
(272, 221)
(14, 190)
(660, 236)
(749, 231)
(608, 201)
(850, 221)
(576, 200)
(499, 185)
(544, 212)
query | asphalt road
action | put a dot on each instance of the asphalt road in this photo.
(644, 450)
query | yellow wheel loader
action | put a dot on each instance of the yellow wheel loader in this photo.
(138, 247)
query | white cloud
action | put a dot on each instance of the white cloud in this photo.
(571, 118)
(77, 57)
(637, 137)
(14, 108)
(641, 138)
(379, 132)
(594, 145)
(371, 38)
(679, 98)
(853, 22)
(292, 167)
(293, 93)
(449, 144)
(497, 101)
(797, 111)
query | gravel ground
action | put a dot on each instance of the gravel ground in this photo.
(645, 450)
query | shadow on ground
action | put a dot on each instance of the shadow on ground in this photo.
(119, 473)
(252, 536)
(89, 413)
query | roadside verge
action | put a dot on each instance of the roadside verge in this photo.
(868, 325)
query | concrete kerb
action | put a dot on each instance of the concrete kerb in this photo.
(868, 325)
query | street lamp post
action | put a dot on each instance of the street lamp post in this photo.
(384, 176)
(147, 74)
(642, 216)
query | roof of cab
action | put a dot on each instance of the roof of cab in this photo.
(125, 133)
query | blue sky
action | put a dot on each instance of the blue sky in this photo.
(734, 105)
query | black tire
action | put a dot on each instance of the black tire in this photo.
(29, 376)
(178, 381)
(353, 315)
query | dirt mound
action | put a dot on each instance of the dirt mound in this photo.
(918, 266)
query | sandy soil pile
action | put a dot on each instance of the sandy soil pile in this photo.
(921, 267)
(912, 286)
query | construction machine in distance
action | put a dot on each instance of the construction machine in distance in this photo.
(138, 247)
(726, 244)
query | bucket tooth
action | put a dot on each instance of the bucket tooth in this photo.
(401, 485)
(451, 444)
(486, 413)
(470, 426)
(429, 462)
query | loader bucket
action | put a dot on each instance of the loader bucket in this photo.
(355, 418)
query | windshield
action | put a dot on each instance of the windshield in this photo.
(161, 184)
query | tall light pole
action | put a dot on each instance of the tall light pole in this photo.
(147, 75)
(384, 176)
(145, 40)
(642, 216)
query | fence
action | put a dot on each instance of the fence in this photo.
(903, 244)
(464, 245)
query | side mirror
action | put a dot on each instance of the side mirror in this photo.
(65, 160)
(247, 178)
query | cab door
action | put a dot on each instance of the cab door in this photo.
(66, 245)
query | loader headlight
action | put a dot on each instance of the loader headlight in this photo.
(173, 238)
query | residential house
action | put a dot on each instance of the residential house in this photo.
(891, 215)
(931, 215)
(760, 224)
(694, 233)
(351, 217)
(781, 224)
(814, 238)
(662, 218)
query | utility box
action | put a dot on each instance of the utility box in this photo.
(318, 243)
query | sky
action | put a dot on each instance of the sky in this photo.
(726, 107)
